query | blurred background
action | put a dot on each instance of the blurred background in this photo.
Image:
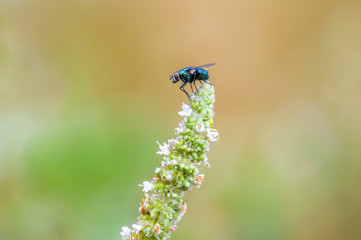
(84, 95)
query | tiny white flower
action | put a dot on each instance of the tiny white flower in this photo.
(205, 161)
(137, 227)
(171, 143)
(163, 149)
(168, 177)
(147, 186)
(180, 128)
(206, 149)
(126, 232)
(157, 170)
(174, 162)
(200, 127)
(187, 110)
(212, 135)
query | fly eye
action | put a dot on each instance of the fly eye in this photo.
(175, 77)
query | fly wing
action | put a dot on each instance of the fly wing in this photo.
(207, 65)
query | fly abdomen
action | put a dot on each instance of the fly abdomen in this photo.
(202, 74)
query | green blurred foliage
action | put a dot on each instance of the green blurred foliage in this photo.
(84, 95)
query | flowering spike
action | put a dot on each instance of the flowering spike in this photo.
(163, 205)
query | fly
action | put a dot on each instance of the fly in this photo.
(190, 75)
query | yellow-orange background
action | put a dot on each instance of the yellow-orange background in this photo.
(84, 95)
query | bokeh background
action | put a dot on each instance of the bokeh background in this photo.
(84, 95)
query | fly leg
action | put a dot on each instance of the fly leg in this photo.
(208, 82)
(195, 85)
(182, 88)
(193, 80)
